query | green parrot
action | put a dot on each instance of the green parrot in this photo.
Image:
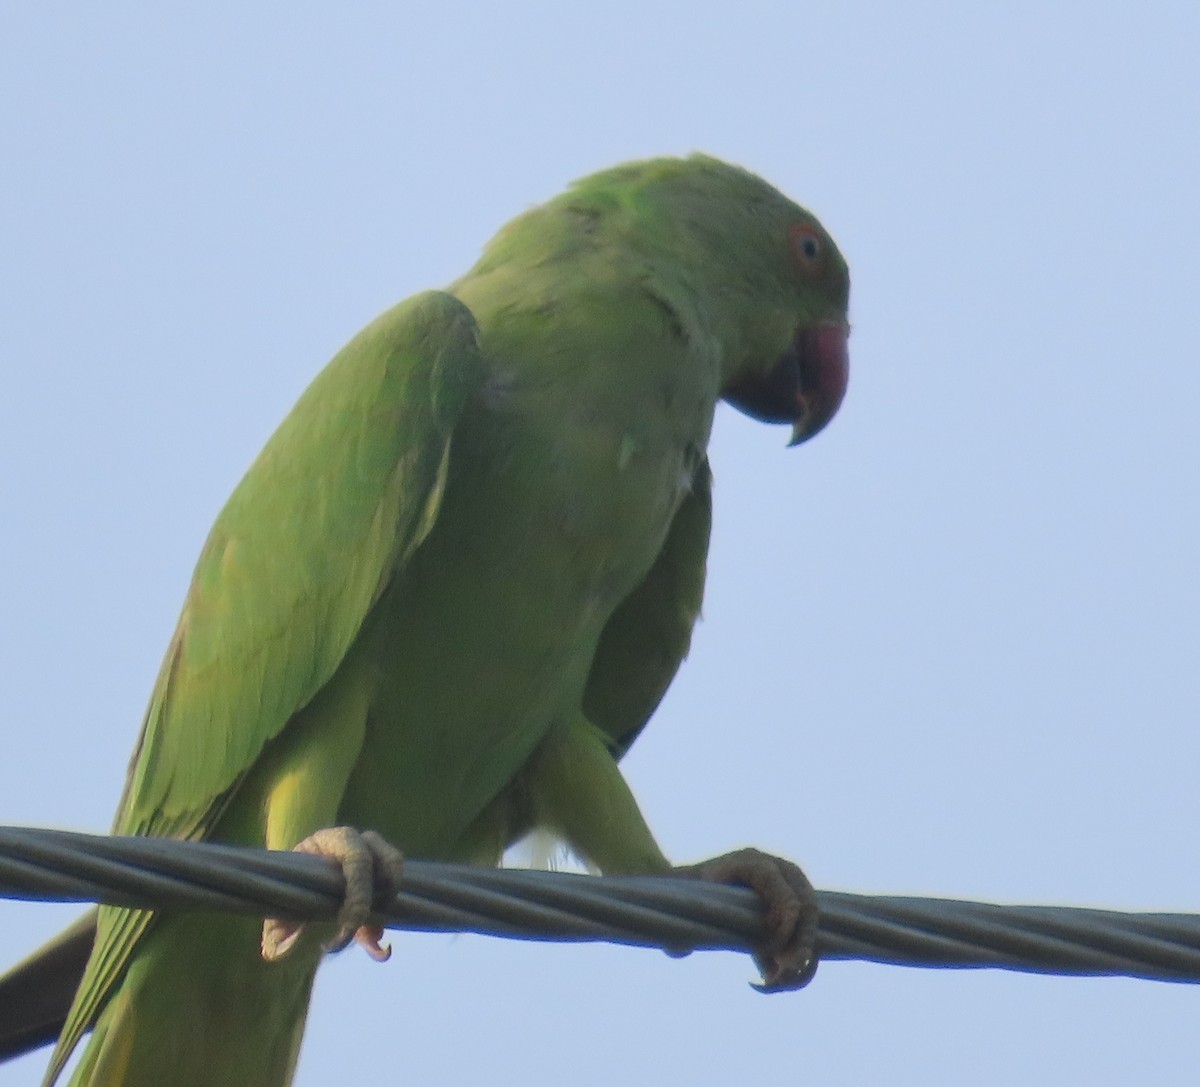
(453, 587)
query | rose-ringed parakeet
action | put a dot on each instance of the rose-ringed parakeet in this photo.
(453, 587)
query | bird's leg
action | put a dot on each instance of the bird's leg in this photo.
(576, 790)
(371, 867)
(787, 955)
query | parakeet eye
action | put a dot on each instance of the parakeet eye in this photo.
(806, 247)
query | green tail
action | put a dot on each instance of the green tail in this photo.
(199, 1006)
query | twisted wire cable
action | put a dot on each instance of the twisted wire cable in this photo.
(675, 914)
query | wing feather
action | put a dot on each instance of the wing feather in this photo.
(647, 637)
(340, 497)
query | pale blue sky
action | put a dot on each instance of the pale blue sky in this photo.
(950, 647)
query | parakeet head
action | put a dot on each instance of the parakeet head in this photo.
(737, 262)
(805, 384)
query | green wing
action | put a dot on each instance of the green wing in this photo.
(344, 491)
(647, 637)
(342, 494)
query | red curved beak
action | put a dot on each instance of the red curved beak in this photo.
(824, 373)
(806, 385)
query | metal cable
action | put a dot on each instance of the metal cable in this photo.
(650, 911)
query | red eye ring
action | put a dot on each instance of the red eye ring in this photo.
(807, 246)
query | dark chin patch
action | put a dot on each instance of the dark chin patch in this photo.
(770, 397)
(805, 385)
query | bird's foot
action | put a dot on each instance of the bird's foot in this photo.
(370, 865)
(787, 956)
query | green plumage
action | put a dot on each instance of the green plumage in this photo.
(453, 587)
